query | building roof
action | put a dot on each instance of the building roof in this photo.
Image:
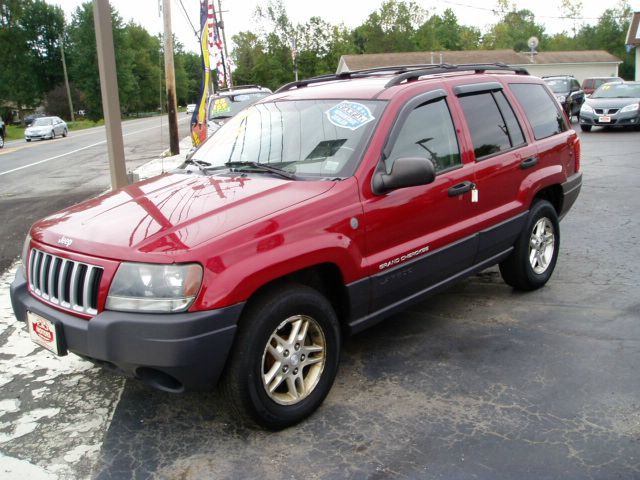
(633, 35)
(510, 57)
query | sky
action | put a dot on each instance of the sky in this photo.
(238, 15)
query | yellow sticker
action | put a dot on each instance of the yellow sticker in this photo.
(221, 105)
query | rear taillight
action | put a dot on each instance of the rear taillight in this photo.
(577, 152)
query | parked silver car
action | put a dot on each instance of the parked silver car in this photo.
(46, 127)
(612, 105)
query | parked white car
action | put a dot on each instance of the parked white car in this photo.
(46, 127)
(191, 108)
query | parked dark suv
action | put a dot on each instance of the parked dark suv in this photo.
(315, 213)
(568, 92)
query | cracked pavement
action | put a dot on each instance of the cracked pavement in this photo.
(480, 382)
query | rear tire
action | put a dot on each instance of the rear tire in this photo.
(285, 357)
(65, 132)
(585, 128)
(532, 262)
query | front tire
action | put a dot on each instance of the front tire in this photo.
(53, 134)
(285, 357)
(532, 262)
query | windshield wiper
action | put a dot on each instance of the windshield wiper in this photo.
(202, 166)
(262, 166)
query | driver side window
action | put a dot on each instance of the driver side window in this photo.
(428, 132)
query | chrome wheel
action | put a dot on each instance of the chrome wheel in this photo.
(293, 360)
(541, 245)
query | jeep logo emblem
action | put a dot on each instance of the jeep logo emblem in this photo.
(65, 241)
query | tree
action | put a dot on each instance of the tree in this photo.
(513, 30)
(83, 61)
(30, 44)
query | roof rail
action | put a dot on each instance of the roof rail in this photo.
(447, 68)
(236, 87)
(403, 72)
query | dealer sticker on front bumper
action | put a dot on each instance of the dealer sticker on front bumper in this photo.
(43, 332)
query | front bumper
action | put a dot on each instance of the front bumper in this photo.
(172, 352)
(626, 119)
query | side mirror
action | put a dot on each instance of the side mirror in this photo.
(406, 172)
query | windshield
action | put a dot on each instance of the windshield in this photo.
(618, 90)
(42, 122)
(318, 138)
(558, 86)
(230, 105)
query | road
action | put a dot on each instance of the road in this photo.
(480, 382)
(39, 178)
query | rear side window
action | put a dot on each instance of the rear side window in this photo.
(541, 110)
(428, 132)
(492, 124)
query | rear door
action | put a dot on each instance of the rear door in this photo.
(502, 160)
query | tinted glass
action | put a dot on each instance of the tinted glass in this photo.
(488, 128)
(513, 127)
(558, 85)
(541, 110)
(226, 106)
(428, 132)
(618, 90)
(316, 138)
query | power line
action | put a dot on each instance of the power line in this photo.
(186, 16)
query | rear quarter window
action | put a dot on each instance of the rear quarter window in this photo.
(540, 108)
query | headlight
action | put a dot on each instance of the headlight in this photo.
(25, 250)
(143, 287)
(561, 98)
(631, 108)
(586, 108)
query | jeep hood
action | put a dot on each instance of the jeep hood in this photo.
(170, 214)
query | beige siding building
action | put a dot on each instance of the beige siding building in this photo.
(581, 64)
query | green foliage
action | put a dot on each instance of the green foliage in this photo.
(30, 32)
(29, 41)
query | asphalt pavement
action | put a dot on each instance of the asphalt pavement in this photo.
(480, 382)
(42, 177)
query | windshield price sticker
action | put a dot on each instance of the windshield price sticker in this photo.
(221, 105)
(351, 115)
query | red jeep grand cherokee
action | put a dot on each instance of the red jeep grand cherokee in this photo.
(319, 211)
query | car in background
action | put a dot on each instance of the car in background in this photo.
(29, 119)
(591, 84)
(191, 108)
(46, 127)
(612, 105)
(2, 133)
(226, 103)
(568, 92)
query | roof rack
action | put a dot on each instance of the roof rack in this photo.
(405, 72)
(237, 87)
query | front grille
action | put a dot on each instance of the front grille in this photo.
(67, 283)
(606, 111)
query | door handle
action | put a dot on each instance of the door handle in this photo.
(461, 188)
(528, 163)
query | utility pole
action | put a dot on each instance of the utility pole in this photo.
(224, 43)
(109, 89)
(169, 72)
(66, 79)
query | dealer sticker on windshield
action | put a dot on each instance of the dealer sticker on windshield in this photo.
(351, 115)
